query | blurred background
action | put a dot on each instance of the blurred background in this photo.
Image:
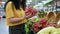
(46, 5)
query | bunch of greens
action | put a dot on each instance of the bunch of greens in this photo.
(28, 26)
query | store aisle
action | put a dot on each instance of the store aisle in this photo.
(3, 27)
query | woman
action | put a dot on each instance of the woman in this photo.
(15, 16)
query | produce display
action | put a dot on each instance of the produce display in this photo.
(40, 23)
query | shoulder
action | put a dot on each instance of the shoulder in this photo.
(9, 4)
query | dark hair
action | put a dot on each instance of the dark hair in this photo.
(17, 4)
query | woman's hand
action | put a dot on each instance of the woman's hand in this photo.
(29, 16)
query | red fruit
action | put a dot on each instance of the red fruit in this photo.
(43, 21)
(34, 11)
(28, 10)
(37, 25)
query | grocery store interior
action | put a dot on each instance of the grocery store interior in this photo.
(48, 14)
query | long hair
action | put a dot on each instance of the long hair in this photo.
(17, 4)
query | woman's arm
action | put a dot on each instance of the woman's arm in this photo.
(14, 19)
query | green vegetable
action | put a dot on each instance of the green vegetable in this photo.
(27, 26)
(26, 29)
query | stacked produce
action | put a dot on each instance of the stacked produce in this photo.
(42, 25)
